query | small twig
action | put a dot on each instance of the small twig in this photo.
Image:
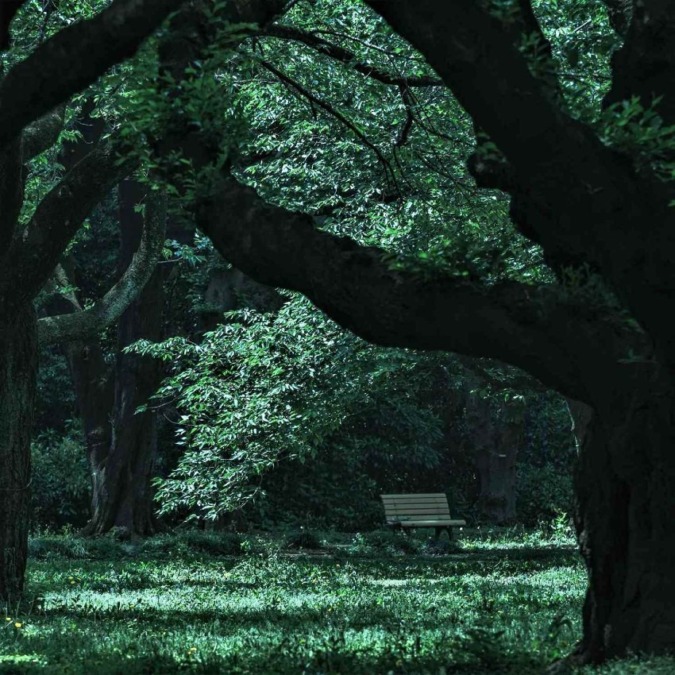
(346, 56)
(331, 111)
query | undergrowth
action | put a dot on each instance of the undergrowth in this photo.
(212, 603)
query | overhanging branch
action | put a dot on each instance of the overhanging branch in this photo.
(357, 287)
(580, 200)
(41, 135)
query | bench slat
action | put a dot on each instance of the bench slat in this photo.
(416, 505)
(411, 502)
(413, 512)
(431, 495)
(427, 523)
(413, 505)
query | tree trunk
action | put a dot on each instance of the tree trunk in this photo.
(626, 526)
(122, 495)
(121, 466)
(18, 369)
(496, 433)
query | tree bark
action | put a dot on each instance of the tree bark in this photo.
(122, 494)
(18, 369)
(496, 435)
(626, 500)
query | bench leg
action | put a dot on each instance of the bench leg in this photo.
(440, 529)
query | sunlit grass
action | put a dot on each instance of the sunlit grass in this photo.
(349, 611)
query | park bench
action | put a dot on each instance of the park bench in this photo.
(409, 511)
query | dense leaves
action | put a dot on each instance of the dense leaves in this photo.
(263, 388)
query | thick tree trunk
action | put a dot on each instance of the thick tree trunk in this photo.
(580, 416)
(626, 526)
(122, 495)
(18, 368)
(122, 490)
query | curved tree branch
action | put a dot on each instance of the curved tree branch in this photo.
(74, 58)
(59, 216)
(41, 135)
(89, 322)
(580, 200)
(530, 327)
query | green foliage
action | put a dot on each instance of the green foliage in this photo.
(55, 399)
(385, 541)
(582, 41)
(639, 131)
(414, 198)
(213, 543)
(542, 493)
(60, 481)
(187, 543)
(269, 387)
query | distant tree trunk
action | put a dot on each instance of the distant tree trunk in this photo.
(495, 434)
(626, 526)
(122, 490)
(495, 439)
(18, 370)
(94, 392)
(122, 464)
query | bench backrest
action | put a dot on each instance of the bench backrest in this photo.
(416, 507)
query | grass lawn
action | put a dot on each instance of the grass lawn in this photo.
(204, 603)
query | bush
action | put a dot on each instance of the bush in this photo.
(109, 547)
(57, 546)
(542, 494)
(61, 486)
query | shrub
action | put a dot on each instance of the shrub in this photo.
(385, 541)
(61, 486)
(542, 494)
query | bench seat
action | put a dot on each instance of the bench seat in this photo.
(407, 511)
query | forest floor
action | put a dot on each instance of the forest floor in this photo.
(375, 603)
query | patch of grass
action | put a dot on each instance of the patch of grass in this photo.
(110, 547)
(183, 604)
(636, 666)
